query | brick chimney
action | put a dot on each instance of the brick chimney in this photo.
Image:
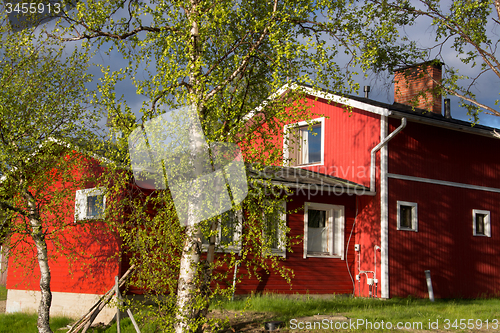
(418, 83)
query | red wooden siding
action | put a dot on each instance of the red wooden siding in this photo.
(349, 138)
(461, 265)
(367, 235)
(82, 258)
(437, 153)
(92, 271)
(311, 275)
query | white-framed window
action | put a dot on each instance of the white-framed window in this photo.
(304, 143)
(274, 231)
(481, 225)
(323, 230)
(228, 237)
(90, 204)
(407, 216)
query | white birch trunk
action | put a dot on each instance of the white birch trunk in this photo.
(43, 262)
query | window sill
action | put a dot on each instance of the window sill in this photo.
(306, 165)
(330, 256)
(407, 229)
(90, 218)
(278, 253)
(235, 250)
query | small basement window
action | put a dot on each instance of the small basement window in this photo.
(481, 223)
(407, 216)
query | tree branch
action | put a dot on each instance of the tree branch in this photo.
(7, 206)
(247, 58)
(106, 34)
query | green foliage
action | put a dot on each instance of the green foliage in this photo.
(468, 27)
(44, 116)
(126, 326)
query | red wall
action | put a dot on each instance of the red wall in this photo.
(367, 235)
(437, 153)
(88, 266)
(311, 275)
(82, 256)
(349, 138)
(461, 265)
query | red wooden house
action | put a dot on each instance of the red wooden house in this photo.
(383, 192)
(430, 203)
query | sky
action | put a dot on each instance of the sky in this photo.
(486, 88)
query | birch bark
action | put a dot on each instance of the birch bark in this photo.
(43, 262)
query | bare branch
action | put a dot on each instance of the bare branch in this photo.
(108, 34)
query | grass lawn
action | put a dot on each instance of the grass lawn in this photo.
(26, 323)
(297, 312)
(457, 314)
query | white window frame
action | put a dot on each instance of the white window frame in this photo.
(81, 203)
(487, 222)
(286, 138)
(236, 243)
(281, 249)
(335, 219)
(414, 215)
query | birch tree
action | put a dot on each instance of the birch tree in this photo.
(222, 59)
(469, 28)
(41, 107)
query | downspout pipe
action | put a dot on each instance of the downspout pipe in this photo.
(378, 147)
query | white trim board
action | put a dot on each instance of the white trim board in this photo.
(345, 100)
(320, 94)
(443, 182)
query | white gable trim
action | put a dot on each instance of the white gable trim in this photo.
(344, 100)
(321, 94)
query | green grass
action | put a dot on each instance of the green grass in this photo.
(26, 322)
(374, 310)
(286, 308)
(3, 293)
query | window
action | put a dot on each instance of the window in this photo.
(228, 232)
(89, 204)
(481, 223)
(407, 216)
(304, 143)
(275, 230)
(323, 230)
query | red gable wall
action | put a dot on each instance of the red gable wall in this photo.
(350, 135)
(82, 257)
